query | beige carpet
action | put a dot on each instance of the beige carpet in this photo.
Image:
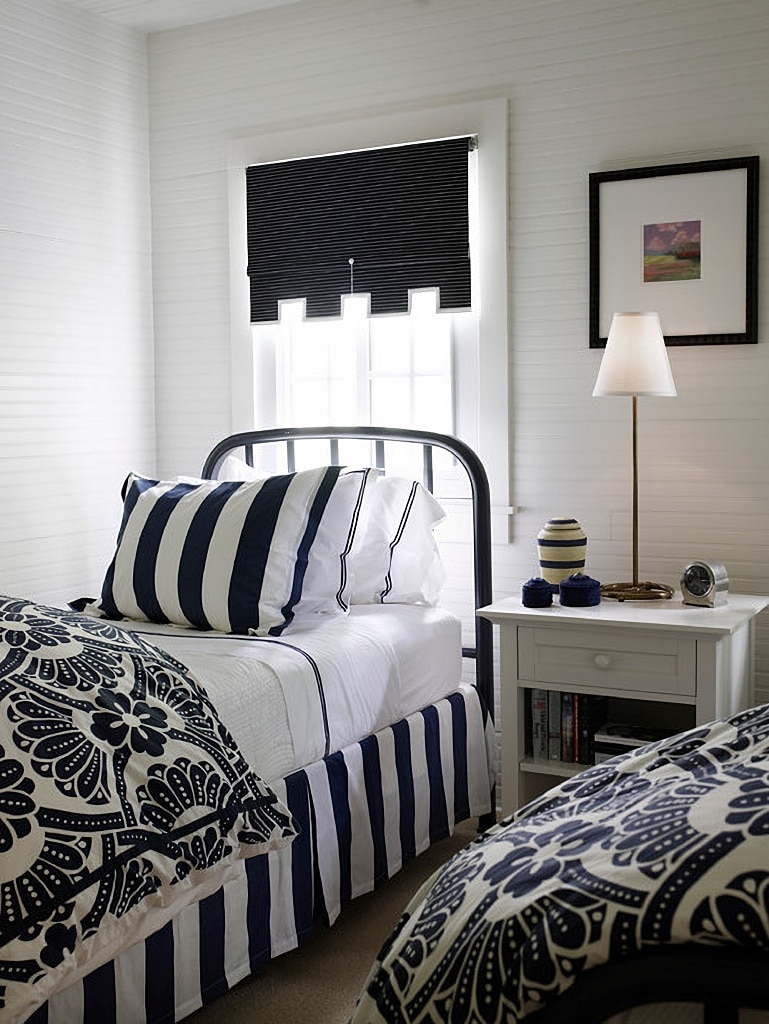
(319, 983)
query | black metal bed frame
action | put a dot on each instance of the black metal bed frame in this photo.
(482, 652)
(721, 980)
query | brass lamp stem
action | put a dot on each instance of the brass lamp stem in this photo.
(636, 591)
(635, 490)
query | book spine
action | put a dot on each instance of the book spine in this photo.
(593, 710)
(576, 726)
(584, 731)
(567, 727)
(539, 737)
(554, 725)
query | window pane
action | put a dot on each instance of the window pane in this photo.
(342, 402)
(309, 404)
(309, 356)
(391, 401)
(432, 404)
(342, 353)
(390, 345)
(432, 346)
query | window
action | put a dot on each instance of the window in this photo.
(354, 260)
(463, 364)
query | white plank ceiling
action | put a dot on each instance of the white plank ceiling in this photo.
(156, 15)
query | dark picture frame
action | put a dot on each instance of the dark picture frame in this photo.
(681, 240)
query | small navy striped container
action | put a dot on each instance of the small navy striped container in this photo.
(562, 547)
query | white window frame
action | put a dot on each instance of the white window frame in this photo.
(488, 120)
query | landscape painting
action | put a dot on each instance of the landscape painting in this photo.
(672, 251)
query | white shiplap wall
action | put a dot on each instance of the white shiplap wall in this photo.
(592, 85)
(77, 372)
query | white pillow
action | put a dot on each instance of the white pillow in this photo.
(236, 556)
(398, 561)
(233, 468)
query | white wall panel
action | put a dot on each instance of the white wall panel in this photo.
(77, 371)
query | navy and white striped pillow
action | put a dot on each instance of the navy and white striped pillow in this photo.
(235, 556)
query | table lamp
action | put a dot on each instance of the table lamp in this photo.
(635, 363)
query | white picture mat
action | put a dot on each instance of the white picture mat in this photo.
(714, 304)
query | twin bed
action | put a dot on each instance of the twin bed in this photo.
(261, 717)
(188, 789)
(636, 892)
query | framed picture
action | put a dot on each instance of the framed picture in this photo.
(681, 240)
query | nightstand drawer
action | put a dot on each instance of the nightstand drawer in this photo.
(638, 660)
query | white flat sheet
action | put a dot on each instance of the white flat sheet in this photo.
(291, 700)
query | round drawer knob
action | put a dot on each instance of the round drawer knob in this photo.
(602, 660)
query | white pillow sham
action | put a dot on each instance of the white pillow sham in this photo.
(396, 560)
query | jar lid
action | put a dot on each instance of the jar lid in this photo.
(537, 593)
(579, 591)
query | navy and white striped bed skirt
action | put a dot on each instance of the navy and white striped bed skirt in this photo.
(364, 811)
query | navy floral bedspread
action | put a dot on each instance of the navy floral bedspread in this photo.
(122, 796)
(665, 845)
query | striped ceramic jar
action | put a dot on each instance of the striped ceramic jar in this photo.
(561, 545)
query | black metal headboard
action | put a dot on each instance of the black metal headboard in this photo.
(481, 503)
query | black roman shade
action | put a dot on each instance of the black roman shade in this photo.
(400, 213)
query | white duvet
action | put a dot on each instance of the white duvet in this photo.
(289, 701)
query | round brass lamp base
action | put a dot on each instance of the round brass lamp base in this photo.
(637, 591)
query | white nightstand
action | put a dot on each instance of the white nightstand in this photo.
(661, 662)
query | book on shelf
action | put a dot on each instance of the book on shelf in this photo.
(563, 724)
(567, 728)
(592, 711)
(554, 725)
(539, 723)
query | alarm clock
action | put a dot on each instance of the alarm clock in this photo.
(704, 583)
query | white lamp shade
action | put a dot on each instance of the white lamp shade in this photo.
(635, 360)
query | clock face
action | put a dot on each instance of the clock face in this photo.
(697, 580)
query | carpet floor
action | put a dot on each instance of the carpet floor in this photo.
(320, 982)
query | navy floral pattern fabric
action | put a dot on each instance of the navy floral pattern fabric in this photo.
(664, 845)
(120, 789)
